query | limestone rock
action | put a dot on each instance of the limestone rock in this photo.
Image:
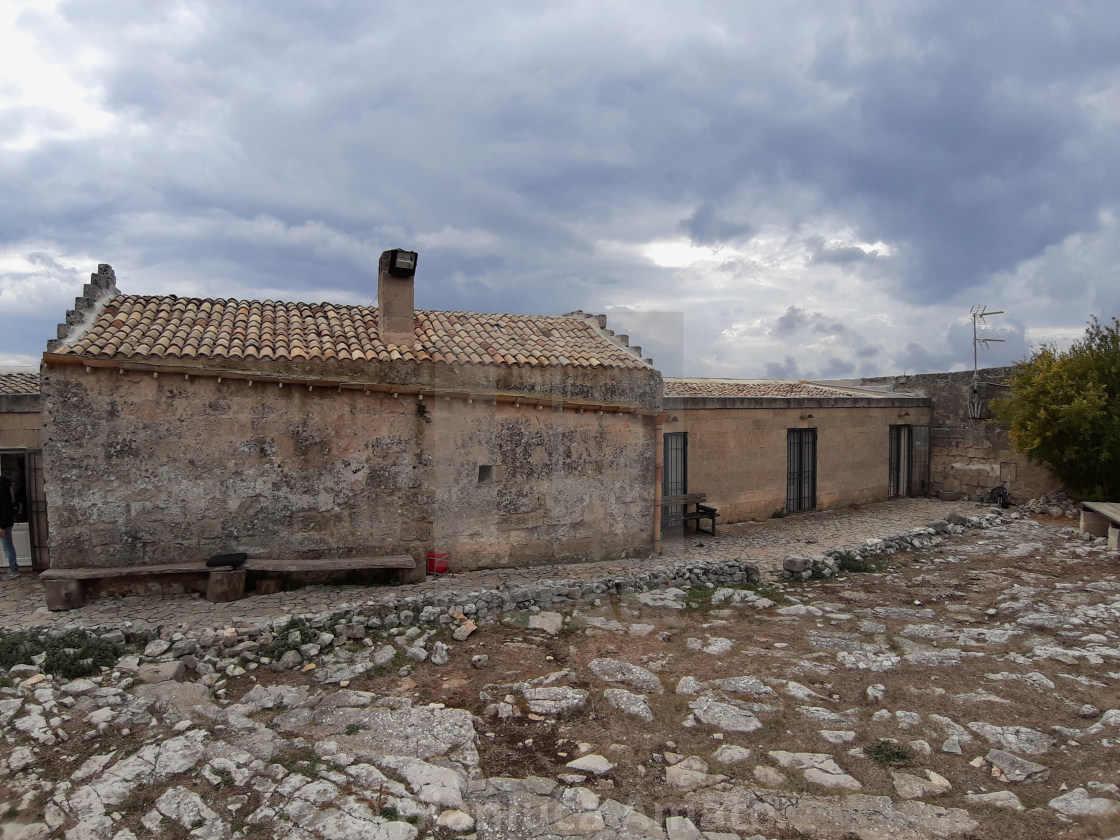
(593, 764)
(612, 670)
(690, 774)
(1015, 769)
(431, 783)
(161, 672)
(997, 799)
(818, 768)
(909, 786)
(744, 685)
(689, 685)
(631, 704)
(1018, 739)
(550, 622)
(555, 699)
(724, 716)
(1078, 803)
(731, 754)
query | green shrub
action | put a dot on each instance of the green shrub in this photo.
(889, 752)
(849, 561)
(69, 656)
(280, 644)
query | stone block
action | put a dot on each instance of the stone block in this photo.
(1094, 523)
(225, 585)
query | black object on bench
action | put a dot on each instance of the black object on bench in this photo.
(235, 559)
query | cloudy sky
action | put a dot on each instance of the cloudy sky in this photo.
(750, 189)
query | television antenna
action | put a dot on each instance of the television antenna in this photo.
(979, 313)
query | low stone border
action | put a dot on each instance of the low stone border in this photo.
(440, 608)
(828, 564)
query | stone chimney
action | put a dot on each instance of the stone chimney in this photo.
(395, 297)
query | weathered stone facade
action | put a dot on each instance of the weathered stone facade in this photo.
(737, 448)
(148, 470)
(972, 455)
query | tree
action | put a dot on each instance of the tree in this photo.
(1064, 411)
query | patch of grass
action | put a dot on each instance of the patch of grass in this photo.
(849, 561)
(392, 666)
(353, 729)
(302, 760)
(780, 513)
(769, 590)
(699, 598)
(70, 655)
(281, 644)
(890, 753)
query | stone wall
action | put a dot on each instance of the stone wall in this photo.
(970, 456)
(737, 454)
(148, 470)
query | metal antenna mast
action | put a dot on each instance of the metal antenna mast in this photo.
(979, 313)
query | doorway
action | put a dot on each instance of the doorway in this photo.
(801, 470)
(674, 476)
(24, 468)
(908, 461)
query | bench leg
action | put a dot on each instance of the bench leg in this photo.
(417, 574)
(64, 594)
(225, 585)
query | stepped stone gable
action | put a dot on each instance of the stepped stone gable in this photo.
(177, 428)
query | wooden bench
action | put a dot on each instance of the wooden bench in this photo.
(684, 501)
(66, 588)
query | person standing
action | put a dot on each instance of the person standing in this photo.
(7, 520)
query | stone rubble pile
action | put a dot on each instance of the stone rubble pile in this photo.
(1056, 504)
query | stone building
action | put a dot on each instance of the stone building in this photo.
(756, 447)
(177, 428)
(970, 452)
(21, 462)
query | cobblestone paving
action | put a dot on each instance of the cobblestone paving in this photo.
(762, 543)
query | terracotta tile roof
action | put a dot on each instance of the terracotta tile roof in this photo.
(137, 326)
(22, 382)
(753, 388)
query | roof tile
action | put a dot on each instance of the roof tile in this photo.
(154, 327)
(19, 382)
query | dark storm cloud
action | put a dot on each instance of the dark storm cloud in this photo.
(786, 369)
(706, 227)
(795, 318)
(530, 153)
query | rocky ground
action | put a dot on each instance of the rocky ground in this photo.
(963, 689)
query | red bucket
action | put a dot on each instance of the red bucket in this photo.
(438, 564)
